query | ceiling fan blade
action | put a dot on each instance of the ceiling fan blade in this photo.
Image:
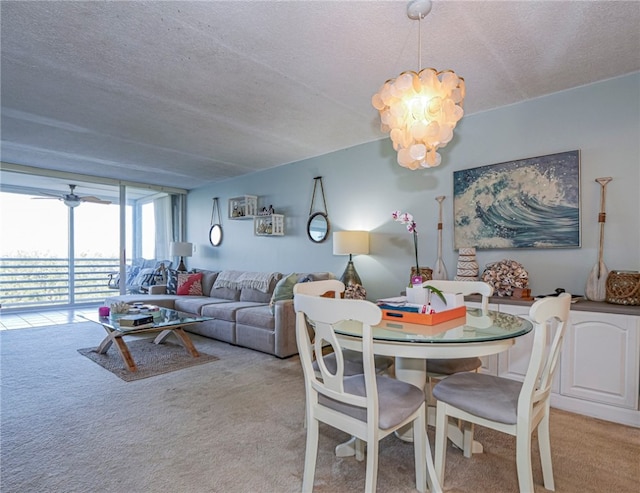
(94, 200)
(46, 198)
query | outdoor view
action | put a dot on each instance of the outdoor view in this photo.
(35, 248)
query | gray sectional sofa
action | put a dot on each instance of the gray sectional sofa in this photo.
(240, 307)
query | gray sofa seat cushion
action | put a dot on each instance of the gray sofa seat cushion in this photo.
(256, 316)
(397, 400)
(194, 304)
(226, 311)
(482, 395)
(451, 366)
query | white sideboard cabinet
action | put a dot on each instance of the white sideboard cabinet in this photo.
(599, 368)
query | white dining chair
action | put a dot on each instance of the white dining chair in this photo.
(437, 369)
(516, 408)
(367, 406)
(466, 288)
(352, 359)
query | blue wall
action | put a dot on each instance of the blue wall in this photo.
(363, 184)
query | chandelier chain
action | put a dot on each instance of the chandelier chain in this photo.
(419, 44)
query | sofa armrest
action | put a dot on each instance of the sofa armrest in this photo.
(158, 289)
(285, 329)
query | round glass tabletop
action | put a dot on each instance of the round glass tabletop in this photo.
(475, 327)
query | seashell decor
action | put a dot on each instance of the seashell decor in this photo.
(504, 276)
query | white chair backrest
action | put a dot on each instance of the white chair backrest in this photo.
(324, 314)
(544, 357)
(466, 288)
(318, 288)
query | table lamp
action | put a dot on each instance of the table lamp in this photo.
(350, 243)
(181, 249)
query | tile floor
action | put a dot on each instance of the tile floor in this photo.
(54, 316)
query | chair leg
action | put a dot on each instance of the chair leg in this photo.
(467, 440)
(372, 465)
(441, 440)
(420, 448)
(544, 444)
(523, 458)
(310, 456)
(360, 446)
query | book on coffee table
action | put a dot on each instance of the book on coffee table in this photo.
(135, 320)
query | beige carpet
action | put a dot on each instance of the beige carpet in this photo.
(235, 425)
(151, 359)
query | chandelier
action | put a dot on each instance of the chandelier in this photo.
(420, 109)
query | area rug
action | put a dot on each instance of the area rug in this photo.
(151, 359)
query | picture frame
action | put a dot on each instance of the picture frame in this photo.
(525, 203)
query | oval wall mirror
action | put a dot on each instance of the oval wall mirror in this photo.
(318, 227)
(215, 235)
(318, 223)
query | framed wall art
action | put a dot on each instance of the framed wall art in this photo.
(528, 203)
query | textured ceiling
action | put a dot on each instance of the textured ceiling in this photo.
(188, 93)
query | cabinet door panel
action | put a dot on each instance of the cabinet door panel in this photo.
(600, 359)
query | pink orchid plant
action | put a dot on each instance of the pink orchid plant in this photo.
(407, 219)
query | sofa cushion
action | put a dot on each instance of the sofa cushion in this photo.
(259, 296)
(229, 279)
(283, 290)
(226, 311)
(257, 316)
(225, 293)
(172, 281)
(145, 277)
(190, 284)
(208, 279)
(194, 304)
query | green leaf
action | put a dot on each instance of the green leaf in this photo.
(437, 292)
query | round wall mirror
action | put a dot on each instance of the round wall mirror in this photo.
(318, 227)
(215, 235)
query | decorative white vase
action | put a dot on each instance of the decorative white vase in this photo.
(467, 269)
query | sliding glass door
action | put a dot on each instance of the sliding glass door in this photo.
(54, 254)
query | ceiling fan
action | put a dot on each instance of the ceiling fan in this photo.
(72, 200)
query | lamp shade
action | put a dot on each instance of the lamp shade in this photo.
(350, 242)
(181, 249)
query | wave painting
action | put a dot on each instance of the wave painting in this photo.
(529, 203)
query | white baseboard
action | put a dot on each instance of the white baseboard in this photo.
(629, 417)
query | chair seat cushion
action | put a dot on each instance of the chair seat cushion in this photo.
(396, 400)
(353, 362)
(451, 366)
(486, 396)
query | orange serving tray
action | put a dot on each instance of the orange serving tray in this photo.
(424, 318)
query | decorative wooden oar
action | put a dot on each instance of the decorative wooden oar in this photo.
(440, 271)
(595, 289)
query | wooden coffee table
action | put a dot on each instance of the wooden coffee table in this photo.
(165, 321)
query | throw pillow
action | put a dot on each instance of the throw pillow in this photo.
(172, 281)
(144, 278)
(189, 284)
(283, 290)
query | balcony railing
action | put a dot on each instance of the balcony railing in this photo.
(27, 283)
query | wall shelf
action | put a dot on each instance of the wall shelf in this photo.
(244, 207)
(269, 225)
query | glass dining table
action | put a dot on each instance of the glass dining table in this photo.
(474, 335)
